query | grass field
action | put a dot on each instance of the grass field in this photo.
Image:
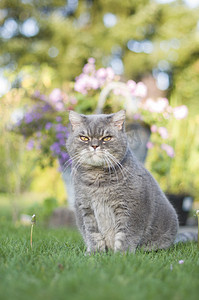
(56, 268)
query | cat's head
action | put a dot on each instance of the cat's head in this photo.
(97, 140)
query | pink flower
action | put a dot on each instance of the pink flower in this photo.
(163, 132)
(73, 100)
(140, 90)
(55, 96)
(82, 83)
(93, 83)
(180, 112)
(154, 128)
(137, 117)
(88, 68)
(110, 74)
(149, 145)
(131, 85)
(59, 106)
(158, 106)
(101, 73)
(169, 150)
(91, 60)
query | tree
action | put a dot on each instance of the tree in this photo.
(134, 37)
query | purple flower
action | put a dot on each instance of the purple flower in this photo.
(58, 119)
(64, 155)
(60, 128)
(62, 142)
(30, 145)
(66, 134)
(181, 262)
(55, 148)
(28, 118)
(48, 125)
(37, 115)
(63, 158)
(60, 135)
(46, 108)
(40, 96)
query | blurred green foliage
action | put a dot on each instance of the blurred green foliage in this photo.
(43, 210)
(15, 162)
(180, 174)
(68, 32)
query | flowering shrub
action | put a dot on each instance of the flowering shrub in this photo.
(45, 123)
(157, 114)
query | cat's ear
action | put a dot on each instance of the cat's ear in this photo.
(119, 118)
(75, 119)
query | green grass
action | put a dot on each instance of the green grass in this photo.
(56, 268)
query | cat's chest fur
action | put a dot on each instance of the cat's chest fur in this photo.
(105, 219)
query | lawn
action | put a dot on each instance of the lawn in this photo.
(57, 268)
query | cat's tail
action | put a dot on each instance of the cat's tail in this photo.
(186, 237)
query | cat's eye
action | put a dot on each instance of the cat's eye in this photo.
(84, 138)
(106, 138)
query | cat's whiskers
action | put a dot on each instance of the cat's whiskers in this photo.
(117, 163)
(76, 165)
(112, 165)
(69, 162)
(109, 164)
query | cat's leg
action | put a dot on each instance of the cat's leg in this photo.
(124, 241)
(94, 240)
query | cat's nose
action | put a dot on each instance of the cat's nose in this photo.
(95, 147)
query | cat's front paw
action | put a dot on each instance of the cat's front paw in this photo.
(98, 244)
(120, 242)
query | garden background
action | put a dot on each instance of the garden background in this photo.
(44, 46)
(58, 55)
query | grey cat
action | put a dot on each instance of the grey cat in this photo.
(119, 205)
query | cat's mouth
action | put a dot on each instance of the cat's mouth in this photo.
(93, 158)
(96, 158)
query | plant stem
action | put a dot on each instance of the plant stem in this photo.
(197, 214)
(198, 231)
(31, 235)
